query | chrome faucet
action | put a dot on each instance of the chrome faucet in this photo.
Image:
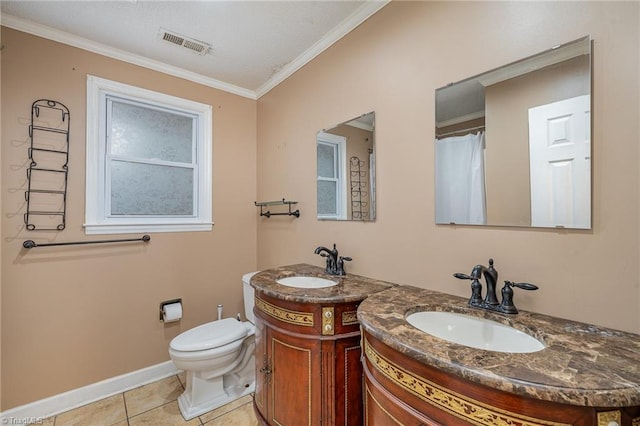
(490, 301)
(335, 263)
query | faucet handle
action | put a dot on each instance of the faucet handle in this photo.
(524, 286)
(476, 288)
(507, 305)
(341, 261)
(462, 276)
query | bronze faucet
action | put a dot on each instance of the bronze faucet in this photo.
(490, 301)
(335, 263)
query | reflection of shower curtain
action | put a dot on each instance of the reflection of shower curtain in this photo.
(460, 193)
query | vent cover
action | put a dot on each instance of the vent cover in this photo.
(196, 46)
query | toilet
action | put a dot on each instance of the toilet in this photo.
(218, 358)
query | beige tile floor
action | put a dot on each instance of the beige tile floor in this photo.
(154, 404)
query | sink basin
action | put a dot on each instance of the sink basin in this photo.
(474, 332)
(306, 282)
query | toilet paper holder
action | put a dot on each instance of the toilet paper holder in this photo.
(167, 302)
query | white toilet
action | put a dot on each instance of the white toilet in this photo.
(218, 359)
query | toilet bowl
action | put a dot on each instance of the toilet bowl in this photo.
(218, 359)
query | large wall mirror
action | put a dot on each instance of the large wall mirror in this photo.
(513, 145)
(346, 158)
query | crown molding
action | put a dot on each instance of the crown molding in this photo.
(368, 9)
(39, 30)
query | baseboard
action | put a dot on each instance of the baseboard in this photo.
(77, 397)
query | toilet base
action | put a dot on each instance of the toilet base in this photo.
(203, 395)
(189, 410)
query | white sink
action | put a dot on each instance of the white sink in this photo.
(306, 282)
(475, 332)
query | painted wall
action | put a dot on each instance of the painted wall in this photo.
(392, 64)
(76, 315)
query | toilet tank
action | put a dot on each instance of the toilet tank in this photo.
(248, 294)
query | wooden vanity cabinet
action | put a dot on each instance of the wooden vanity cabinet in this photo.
(308, 368)
(401, 390)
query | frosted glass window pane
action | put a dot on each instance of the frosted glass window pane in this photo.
(148, 133)
(326, 161)
(327, 193)
(148, 189)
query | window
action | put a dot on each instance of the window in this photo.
(332, 192)
(148, 161)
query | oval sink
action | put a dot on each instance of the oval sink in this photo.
(474, 332)
(306, 282)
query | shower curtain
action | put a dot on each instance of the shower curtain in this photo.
(460, 191)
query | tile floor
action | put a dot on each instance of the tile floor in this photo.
(154, 404)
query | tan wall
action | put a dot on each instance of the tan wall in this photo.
(507, 151)
(388, 65)
(72, 316)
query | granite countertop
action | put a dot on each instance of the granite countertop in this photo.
(582, 364)
(350, 287)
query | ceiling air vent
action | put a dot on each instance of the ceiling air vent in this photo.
(186, 42)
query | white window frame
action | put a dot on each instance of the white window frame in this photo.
(340, 146)
(97, 218)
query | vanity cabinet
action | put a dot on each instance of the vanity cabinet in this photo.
(308, 369)
(584, 375)
(400, 389)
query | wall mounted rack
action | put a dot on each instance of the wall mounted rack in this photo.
(282, 202)
(29, 244)
(359, 183)
(46, 193)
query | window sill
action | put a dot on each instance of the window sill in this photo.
(102, 229)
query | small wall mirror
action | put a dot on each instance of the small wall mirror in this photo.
(513, 145)
(346, 158)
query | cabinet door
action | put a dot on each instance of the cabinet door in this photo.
(262, 368)
(348, 382)
(295, 384)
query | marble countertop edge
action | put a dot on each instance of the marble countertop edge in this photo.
(582, 364)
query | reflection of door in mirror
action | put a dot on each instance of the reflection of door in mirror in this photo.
(560, 159)
(346, 176)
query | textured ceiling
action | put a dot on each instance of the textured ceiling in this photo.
(254, 44)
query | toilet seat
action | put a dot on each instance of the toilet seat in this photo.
(209, 336)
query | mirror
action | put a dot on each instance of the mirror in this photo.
(513, 144)
(346, 158)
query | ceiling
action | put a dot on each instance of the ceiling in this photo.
(254, 45)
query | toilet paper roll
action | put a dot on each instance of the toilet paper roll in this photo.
(172, 312)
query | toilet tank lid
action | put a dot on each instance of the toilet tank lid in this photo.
(210, 335)
(247, 277)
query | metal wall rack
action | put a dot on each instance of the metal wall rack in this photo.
(282, 202)
(46, 193)
(358, 175)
